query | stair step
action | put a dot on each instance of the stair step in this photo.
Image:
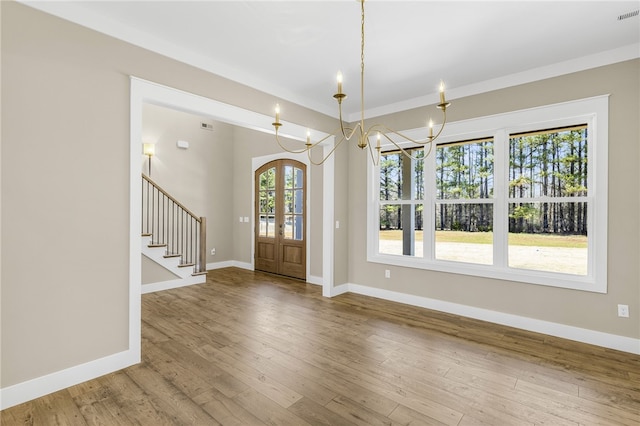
(146, 235)
(199, 273)
(184, 265)
(166, 256)
(154, 245)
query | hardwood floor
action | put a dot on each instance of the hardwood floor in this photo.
(255, 349)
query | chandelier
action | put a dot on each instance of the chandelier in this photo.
(346, 133)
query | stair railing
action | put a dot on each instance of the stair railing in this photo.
(170, 224)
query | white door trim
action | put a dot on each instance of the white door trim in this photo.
(144, 91)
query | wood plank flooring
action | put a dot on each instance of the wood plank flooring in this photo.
(248, 348)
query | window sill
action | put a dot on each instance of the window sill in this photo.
(573, 282)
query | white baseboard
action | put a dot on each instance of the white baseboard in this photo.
(168, 285)
(338, 290)
(315, 280)
(35, 388)
(229, 264)
(607, 340)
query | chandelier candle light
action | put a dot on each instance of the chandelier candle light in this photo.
(347, 133)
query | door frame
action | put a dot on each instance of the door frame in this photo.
(256, 163)
(145, 91)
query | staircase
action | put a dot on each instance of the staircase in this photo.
(173, 237)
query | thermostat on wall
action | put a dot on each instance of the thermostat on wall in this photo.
(183, 144)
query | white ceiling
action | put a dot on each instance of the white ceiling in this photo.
(293, 49)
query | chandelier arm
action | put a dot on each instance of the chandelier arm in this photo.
(342, 127)
(375, 158)
(404, 151)
(313, 145)
(310, 146)
(347, 132)
(428, 139)
(326, 157)
(444, 121)
(292, 151)
(421, 142)
(428, 153)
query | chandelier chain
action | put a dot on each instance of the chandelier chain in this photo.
(345, 132)
(362, 64)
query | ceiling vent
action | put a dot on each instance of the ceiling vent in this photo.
(629, 15)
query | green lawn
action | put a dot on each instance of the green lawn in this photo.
(537, 240)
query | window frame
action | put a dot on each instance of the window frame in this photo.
(592, 111)
(413, 202)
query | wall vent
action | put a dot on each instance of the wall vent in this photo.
(206, 126)
(629, 15)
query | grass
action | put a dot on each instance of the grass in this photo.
(532, 240)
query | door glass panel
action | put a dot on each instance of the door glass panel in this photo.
(288, 201)
(266, 204)
(288, 227)
(267, 225)
(288, 177)
(298, 201)
(268, 179)
(271, 226)
(294, 203)
(299, 178)
(271, 202)
(298, 228)
(299, 204)
(263, 229)
(293, 227)
(263, 202)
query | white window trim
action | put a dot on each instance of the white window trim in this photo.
(593, 111)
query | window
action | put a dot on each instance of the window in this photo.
(464, 202)
(548, 203)
(519, 196)
(401, 203)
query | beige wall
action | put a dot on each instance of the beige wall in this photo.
(198, 177)
(65, 198)
(341, 256)
(154, 273)
(575, 308)
(65, 186)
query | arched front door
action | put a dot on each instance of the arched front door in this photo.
(280, 245)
